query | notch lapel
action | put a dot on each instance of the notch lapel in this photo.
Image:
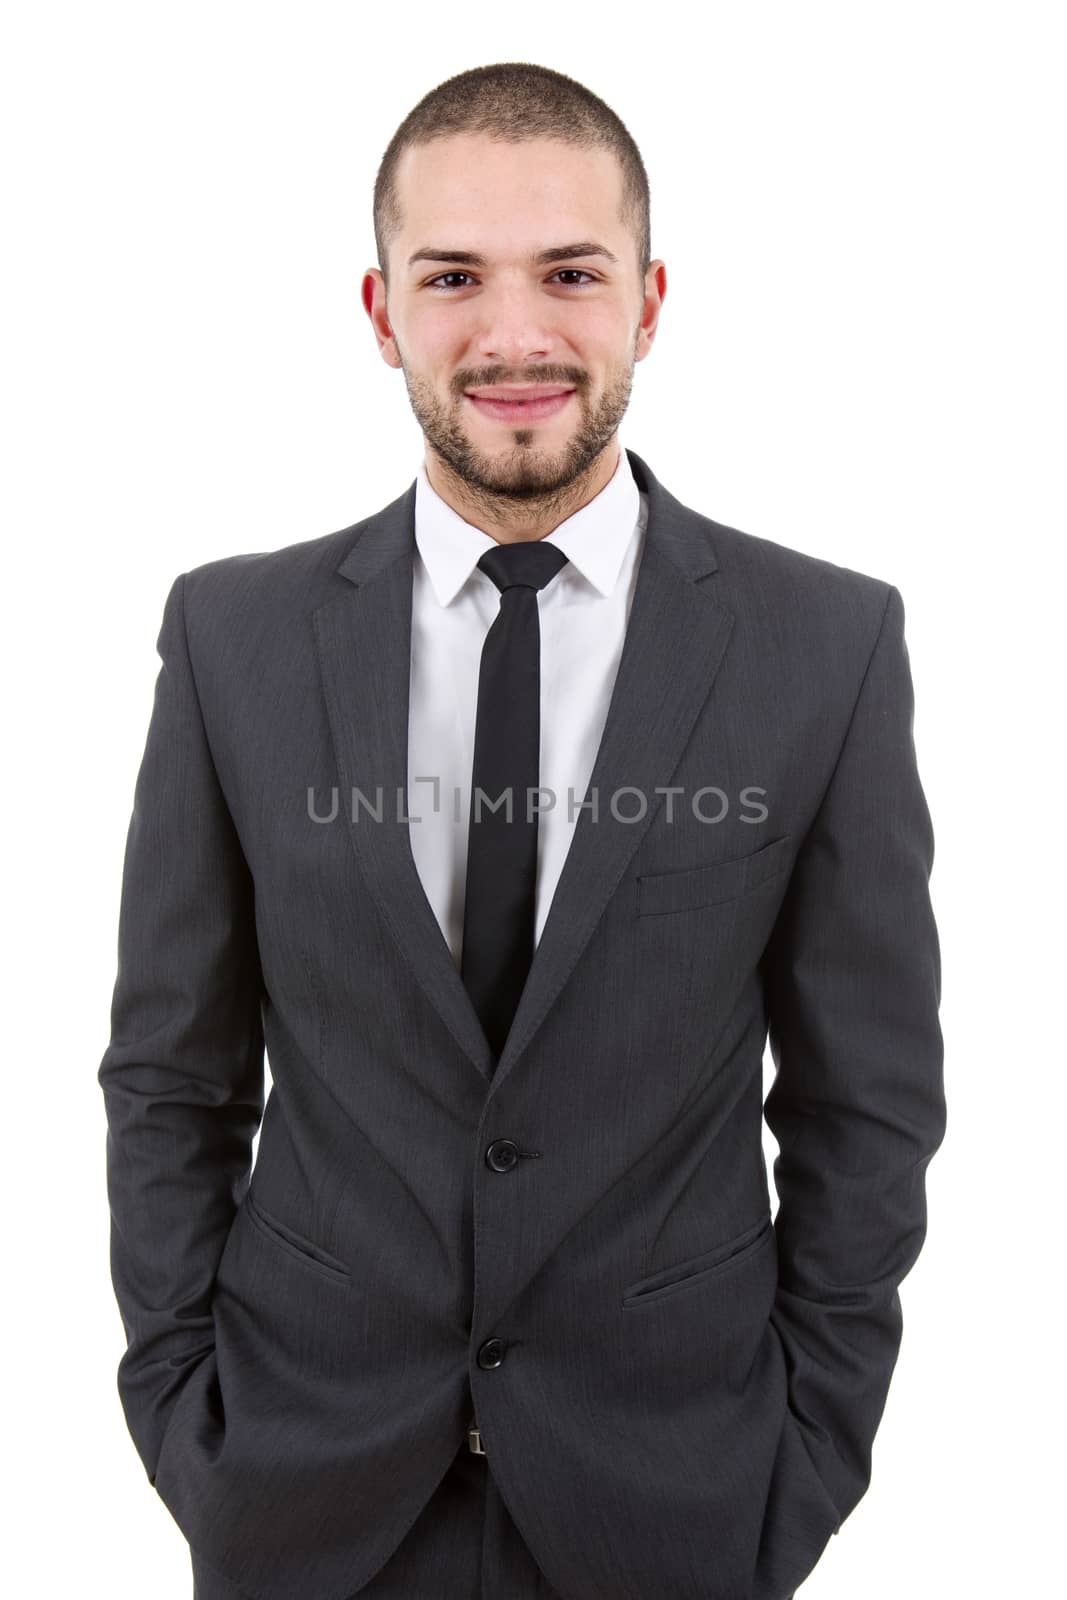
(675, 640)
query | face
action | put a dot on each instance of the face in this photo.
(472, 334)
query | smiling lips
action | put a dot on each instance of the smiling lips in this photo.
(532, 403)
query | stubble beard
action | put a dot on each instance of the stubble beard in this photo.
(524, 474)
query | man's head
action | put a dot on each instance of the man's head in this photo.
(482, 196)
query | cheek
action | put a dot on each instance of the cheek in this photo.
(440, 340)
(440, 335)
(600, 331)
(432, 345)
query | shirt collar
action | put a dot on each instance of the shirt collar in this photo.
(594, 539)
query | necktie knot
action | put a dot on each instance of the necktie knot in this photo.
(530, 564)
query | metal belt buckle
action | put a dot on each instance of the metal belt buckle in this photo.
(474, 1439)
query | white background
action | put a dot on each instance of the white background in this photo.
(861, 354)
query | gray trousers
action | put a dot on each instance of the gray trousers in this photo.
(463, 1545)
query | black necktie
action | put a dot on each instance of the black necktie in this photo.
(498, 917)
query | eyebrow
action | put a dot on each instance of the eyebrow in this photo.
(543, 258)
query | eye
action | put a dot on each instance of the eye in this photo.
(436, 283)
(440, 287)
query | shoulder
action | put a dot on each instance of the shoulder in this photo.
(239, 611)
(751, 563)
(302, 574)
(794, 602)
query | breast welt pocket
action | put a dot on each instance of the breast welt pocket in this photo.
(685, 890)
(294, 1244)
(700, 1269)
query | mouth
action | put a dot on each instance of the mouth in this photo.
(512, 406)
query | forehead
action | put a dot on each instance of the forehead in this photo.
(468, 190)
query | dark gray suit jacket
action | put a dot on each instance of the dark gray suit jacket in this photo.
(678, 1398)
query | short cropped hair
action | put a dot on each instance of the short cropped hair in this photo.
(514, 101)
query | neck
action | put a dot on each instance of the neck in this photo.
(511, 521)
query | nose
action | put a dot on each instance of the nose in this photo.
(513, 352)
(513, 332)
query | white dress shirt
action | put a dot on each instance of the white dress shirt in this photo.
(583, 614)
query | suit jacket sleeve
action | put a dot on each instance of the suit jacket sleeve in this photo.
(853, 986)
(182, 1075)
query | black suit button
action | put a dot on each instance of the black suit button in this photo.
(491, 1353)
(502, 1155)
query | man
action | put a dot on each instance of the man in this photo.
(502, 1310)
